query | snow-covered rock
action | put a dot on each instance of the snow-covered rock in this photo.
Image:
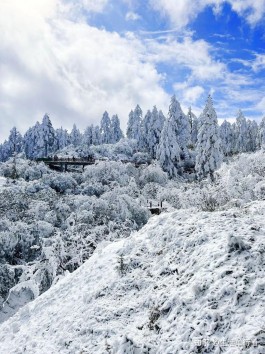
(185, 283)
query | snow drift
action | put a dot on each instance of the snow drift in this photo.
(185, 283)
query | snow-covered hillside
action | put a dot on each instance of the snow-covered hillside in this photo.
(185, 283)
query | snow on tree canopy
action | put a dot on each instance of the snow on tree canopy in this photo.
(134, 127)
(209, 152)
(105, 129)
(116, 132)
(241, 132)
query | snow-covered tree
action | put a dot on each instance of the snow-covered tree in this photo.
(194, 126)
(153, 131)
(33, 145)
(208, 147)
(227, 136)
(168, 150)
(15, 141)
(62, 138)
(96, 136)
(252, 134)
(261, 134)
(182, 129)
(75, 136)
(116, 132)
(146, 126)
(88, 136)
(105, 129)
(47, 137)
(241, 132)
(134, 127)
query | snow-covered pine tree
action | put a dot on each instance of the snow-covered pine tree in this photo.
(261, 134)
(33, 142)
(105, 129)
(88, 136)
(252, 133)
(15, 141)
(154, 133)
(169, 151)
(47, 136)
(116, 132)
(241, 132)
(208, 148)
(134, 127)
(194, 126)
(75, 136)
(227, 136)
(96, 136)
(62, 138)
(146, 126)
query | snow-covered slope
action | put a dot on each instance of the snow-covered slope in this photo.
(186, 283)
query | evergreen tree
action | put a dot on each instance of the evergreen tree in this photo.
(96, 136)
(15, 141)
(154, 131)
(116, 132)
(208, 148)
(75, 136)
(47, 137)
(241, 132)
(227, 136)
(62, 138)
(169, 151)
(134, 127)
(105, 129)
(88, 136)
(181, 124)
(261, 134)
(252, 134)
(194, 127)
(145, 130)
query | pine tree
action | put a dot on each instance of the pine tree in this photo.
(47, 136)
(261, 134)
(62, 138)
(134, 127)
(208, 148)
(116, 132)
(252, 134)
(227, 136)
(105, 129)
(182, 130)
(153, 131)
(15, 141)
(194, 127)
(241, 132)
(96, 136)
(145, 130)
(88, 136)
(75, 136)
(169, 151)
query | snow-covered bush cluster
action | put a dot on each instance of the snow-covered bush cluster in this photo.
(52, 222)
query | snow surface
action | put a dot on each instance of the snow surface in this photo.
(189, 283)
(2, 181)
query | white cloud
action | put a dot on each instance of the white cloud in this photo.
(68, 68)
(182, 12)
(261, 105)
(194, 55)
(132, 16)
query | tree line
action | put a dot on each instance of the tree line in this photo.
(180, 143)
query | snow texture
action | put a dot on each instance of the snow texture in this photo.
(186, 283)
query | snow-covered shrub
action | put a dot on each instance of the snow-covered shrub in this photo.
(153, 174)
(61, 182)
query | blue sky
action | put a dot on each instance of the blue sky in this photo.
(87, 56)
